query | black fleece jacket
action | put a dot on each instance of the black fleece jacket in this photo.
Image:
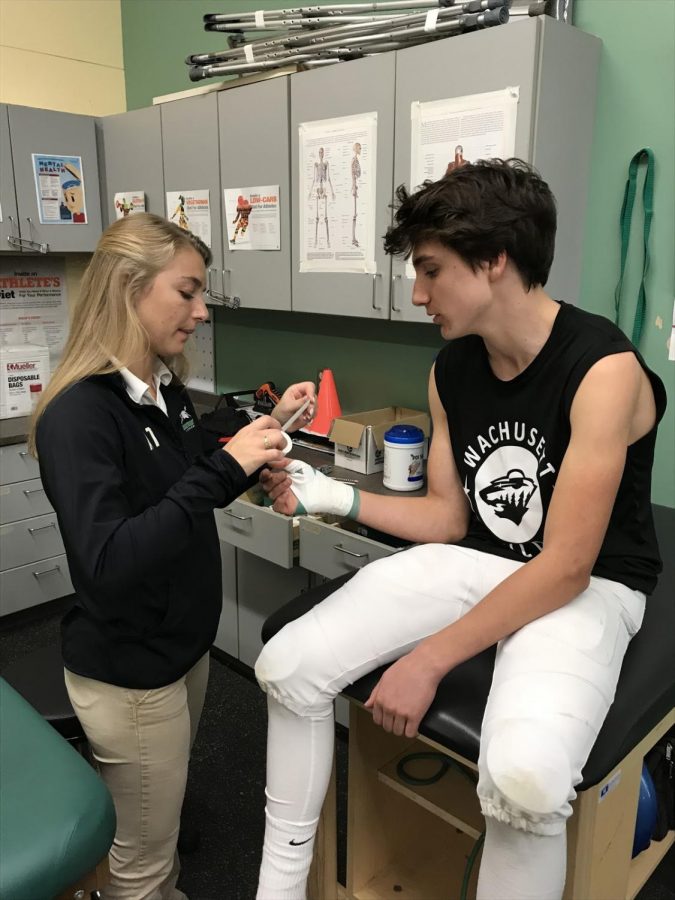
(134, 491)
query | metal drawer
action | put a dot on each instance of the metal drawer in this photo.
(22, 500)
(331, 551)
(259, 530)
(16, 464)
(29, 541)
(37, 583)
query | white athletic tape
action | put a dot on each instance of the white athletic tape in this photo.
(318, 493)
(430, 21)
(259, 18)
(248, 53)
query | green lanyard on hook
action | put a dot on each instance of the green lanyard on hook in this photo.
(646, 154)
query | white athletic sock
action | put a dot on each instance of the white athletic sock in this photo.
(287, 857)
(520, 865)
(299, 763)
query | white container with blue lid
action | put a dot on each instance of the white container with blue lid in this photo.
(403, 458)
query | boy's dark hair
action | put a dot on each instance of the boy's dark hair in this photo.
(479, 210)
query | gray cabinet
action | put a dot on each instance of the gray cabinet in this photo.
(9, 226)
(191, 163)
(555, 68)
(262, 588)
(227, 636)
(61, 134)
(33, 566)
(130, 158)
(360, 86)
(253, 126)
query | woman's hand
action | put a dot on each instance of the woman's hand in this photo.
(291, 400)
(258, 444)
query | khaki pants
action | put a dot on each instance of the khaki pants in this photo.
(141, 740)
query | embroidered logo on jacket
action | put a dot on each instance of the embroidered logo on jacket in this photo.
(186, 420)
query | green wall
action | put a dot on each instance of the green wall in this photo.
(381, 363)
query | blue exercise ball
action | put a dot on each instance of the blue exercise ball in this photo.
(646, 814)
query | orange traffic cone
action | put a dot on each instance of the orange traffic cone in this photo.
(328, 405)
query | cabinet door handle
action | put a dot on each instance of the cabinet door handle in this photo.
(221, 299)
(40, 246)
(34, 491)
(47, 572)
(239, 518)
(375, 277)
(394, 280)
(350, 552)
(23, 453)
(42, 527)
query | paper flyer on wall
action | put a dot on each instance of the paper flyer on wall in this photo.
(129, 202)
(252, 217)
(33, 304)
(447, 133)
(59, 184)
(191, 210)
(336, 202)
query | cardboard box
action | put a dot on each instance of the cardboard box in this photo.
(21, 365)
(359, 438)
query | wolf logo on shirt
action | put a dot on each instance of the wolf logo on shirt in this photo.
(509, 495)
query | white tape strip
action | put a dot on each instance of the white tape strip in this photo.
(430, 21)
(248, 53)
(259, 18)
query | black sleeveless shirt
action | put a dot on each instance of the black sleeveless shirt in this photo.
(509, 439)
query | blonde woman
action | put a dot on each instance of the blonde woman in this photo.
(127, 469)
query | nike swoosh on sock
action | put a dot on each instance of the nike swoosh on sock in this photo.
(299, 843)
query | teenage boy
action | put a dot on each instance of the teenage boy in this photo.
(535, 534)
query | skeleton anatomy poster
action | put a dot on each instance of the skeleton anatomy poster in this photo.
(447, 133)
(336, 202)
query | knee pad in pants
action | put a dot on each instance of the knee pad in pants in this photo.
(529, 768)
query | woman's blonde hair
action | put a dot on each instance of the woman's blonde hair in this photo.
(105, 332)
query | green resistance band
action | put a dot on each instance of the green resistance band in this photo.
(644, 155)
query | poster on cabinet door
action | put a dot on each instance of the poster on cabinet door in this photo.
(33, 304)
(129, 202)
(445, 134)
(252, 216)
(336, 195)
(59, 184)
(191, 211)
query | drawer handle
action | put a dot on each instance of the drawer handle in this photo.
(47, 572)
(349, 552)
(34, 491)
(235, 516)
(42, 527)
